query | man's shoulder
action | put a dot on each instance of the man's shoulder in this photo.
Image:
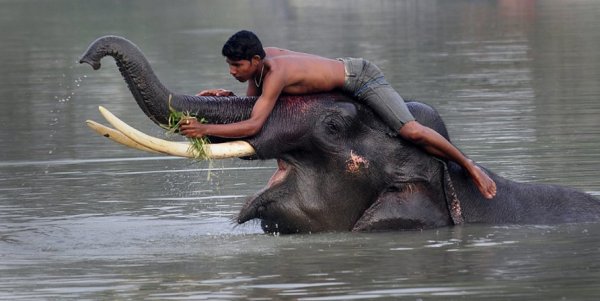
(279, 52)
(276, 51)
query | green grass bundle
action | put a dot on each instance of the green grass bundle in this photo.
(175, 120)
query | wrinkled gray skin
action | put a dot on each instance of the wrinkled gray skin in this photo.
(342, 169)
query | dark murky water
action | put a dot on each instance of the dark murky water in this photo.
(518, 83)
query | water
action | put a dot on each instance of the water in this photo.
(84, 219)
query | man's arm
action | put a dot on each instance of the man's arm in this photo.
(251, 90)
(273, 85)
(215, 92)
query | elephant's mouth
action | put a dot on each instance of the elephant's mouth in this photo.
(257, 206)
(280, 174)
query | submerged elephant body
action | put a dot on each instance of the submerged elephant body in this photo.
(341, 169)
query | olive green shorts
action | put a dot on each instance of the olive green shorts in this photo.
(366, 82)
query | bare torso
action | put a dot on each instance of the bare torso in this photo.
(302, 73)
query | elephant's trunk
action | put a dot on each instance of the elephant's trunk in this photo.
(141, 80)
(152, 96)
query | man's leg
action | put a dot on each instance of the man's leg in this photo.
(370, 86)
(437, 145)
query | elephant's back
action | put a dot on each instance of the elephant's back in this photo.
(530, 203)
(428, 116)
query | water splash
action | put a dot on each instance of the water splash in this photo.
(71, 90)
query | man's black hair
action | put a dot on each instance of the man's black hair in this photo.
(243, 45)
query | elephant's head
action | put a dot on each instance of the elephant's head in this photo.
(339, 166)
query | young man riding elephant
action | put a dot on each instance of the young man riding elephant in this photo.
(272, 71)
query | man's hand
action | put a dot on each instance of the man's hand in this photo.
(192, 128)
(215, 92)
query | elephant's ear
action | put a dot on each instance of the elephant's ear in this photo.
(411, 208)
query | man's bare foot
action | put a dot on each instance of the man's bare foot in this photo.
(484, 183)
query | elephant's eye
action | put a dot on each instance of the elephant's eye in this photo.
(332, 127)
(338, 120)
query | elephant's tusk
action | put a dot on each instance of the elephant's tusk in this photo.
(234, 149)
(117, 136)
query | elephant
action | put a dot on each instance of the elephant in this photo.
(340, 168)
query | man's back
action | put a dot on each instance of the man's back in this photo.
(304, 73)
